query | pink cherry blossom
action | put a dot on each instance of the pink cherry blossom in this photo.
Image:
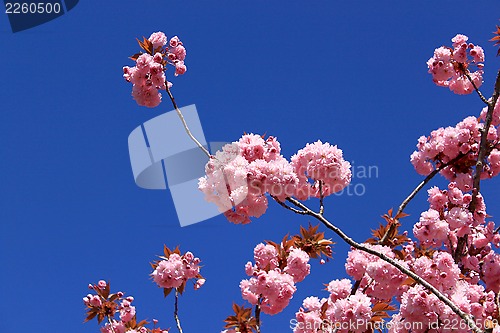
(320, 162)
(449, 66)
(158, 39)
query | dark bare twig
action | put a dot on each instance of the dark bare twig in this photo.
(257, 315)
(321, 197)
(179, 113)
(417, 189)
(176, 312)
(484, 143)
(284, 205)
(355, 287)
(483, 149)
(481, 96)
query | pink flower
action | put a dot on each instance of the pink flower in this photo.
(352, 314)
(175, 270)
(275, 288)
(450, 66)
(127, 311)
(339, 289)
(297, 265)
(92, 300)
(265, 256)
(174, 41)
(180, 68)
(158, 39)
(320, 162)
(491, 271)
(199, 283)
(179, 51)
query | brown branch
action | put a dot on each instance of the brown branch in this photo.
(321, 197)
(355, 287)
(257, 316)
(284, 205)
(176, 312)
(481, 96)
(417, 189)
(179, 113)
(362, 247)
(484, 143)
(111, 324)
(483, 150)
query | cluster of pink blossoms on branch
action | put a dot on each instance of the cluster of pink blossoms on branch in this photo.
(450, 66)
(105, 305)
(457, 148)
(273, 283)
(148, 75)
(174, 270)
(239, 177)
(448, 279)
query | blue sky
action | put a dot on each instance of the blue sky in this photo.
(350, 73)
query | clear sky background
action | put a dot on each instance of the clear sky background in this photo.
(352, 73)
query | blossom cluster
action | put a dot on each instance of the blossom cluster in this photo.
(459, 147)
(174, 270)
(148, 75)
(104, 306)
(239, 177)
(338, 312)
(273, 276)
(449, 66)
(378, 278)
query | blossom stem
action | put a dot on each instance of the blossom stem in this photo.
(111, 325)
(470, 322)
(321, 197)
(176, 312)
(188, 131)
(481, 96)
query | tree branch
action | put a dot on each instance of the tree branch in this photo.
(179, 113)
(483, 150)
(417, 189)
(176, 312)
(284, 205)
(481, 96)
(362, 247)
(257, 315)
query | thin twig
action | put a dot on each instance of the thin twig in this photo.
(362, 247)
(355, 287)
(321, 197)
(257, 315)
(284, 205)
(484, 142)
(111, 324)
(481, 96)
(179, 113)
(414, 193)
(483, 150)
(176, 312)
